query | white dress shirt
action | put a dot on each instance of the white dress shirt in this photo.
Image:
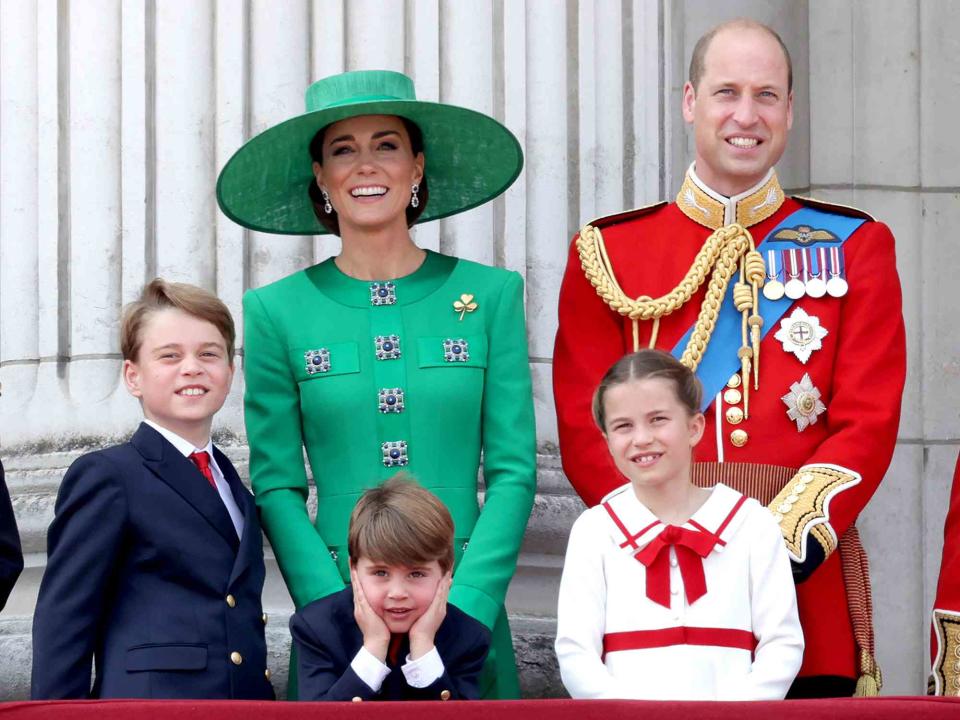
(419, 673)
(186, 448)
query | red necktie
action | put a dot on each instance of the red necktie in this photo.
(202, 461)
(393, 649)
(690, 547)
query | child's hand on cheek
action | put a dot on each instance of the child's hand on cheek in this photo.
(424, 630)
(376, 635)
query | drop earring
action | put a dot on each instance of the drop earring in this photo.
(414, 199)
(327, 207)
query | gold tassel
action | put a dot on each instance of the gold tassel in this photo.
(866, 686)
(870, 680)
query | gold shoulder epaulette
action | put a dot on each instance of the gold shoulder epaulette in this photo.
(608, 220)
(833, 207)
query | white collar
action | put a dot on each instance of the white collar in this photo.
(184, 447)
(642, 526)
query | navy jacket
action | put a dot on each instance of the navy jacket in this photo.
(11, 556)
(327, 638)
(146, 576)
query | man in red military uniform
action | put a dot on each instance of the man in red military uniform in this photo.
(945, 642)
(788, 309)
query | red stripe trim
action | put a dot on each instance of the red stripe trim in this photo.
(617, 522)
(723, 525)
(736, 508)
(701, 528)
(667, 637)
(631, 540)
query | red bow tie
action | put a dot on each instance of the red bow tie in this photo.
(691, 547)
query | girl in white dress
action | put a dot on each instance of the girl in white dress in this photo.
(671, 591)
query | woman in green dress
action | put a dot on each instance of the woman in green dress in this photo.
(386, 357)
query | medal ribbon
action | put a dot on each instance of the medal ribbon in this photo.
(691, 547)
(835, 268)
(720, 359)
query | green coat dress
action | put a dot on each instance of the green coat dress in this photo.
(373, 378)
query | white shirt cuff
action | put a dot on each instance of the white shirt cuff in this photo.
(424, 671)
(369, 669)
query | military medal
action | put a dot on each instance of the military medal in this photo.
(836, 285)
(803, 403)
(794, 288)
(801, 334)
(816, 286)
(772, 288)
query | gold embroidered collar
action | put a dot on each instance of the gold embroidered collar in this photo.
(713, 210)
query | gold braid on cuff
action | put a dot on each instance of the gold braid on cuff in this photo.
(946, 665)
(801, 507)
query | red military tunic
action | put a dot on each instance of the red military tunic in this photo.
(859, 372)
(945, 646)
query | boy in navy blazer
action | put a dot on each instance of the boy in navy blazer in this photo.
(155, 557)
(391, 635)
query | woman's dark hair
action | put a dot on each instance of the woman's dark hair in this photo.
(330, 221)
(644, 365)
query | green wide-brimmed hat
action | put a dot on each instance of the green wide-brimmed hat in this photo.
(470, 157)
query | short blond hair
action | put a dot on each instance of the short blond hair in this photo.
(158, 294)
(401, 523)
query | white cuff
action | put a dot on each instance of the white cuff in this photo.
(424, 671)
(369, 669)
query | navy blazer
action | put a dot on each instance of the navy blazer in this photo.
(327, 638)
(146, 576)
(11, 556)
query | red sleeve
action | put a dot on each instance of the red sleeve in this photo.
(589, 341)
(868, 374)
(945, 671)
(948, 586)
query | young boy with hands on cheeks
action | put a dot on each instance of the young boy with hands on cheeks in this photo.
(391, 635)
(672, 591)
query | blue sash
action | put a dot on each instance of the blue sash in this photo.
(720, 360)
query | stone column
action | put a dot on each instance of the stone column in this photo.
(115, 117)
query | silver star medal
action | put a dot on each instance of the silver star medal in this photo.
(801, 334)
(803, 403)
